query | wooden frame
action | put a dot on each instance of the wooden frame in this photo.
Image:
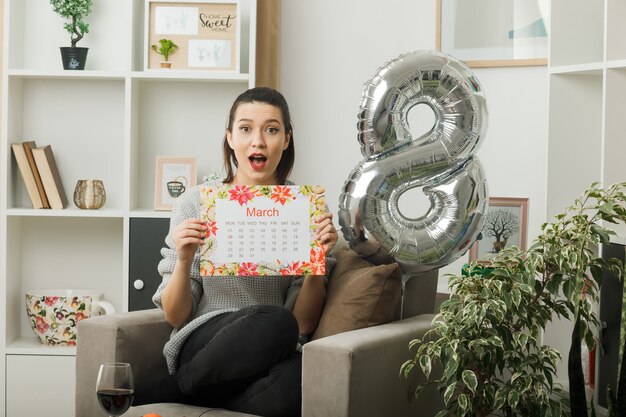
(208, 34)
(174, 176)
(479, 23)
(503, 213)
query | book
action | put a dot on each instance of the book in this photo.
(44, 159)
(27, 175)
(28, 147)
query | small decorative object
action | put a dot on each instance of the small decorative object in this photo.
(73, 11)
(166, 48)
(89, 194)
(53, 314)
(174, 176)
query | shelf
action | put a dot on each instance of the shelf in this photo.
(32, 346)
(67, 212)
(593, 68)
(616, 64)
(190, 75)
(72, 75)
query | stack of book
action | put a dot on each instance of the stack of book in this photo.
(40, 174)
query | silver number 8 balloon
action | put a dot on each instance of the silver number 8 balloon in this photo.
(440, 162)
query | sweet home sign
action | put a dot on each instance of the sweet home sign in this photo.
(207, 34)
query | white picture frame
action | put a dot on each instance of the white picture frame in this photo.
(494, 33)
(173, 176)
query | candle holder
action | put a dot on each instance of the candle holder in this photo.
(89, 194)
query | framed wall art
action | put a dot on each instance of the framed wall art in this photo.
(207, 34)
(174, 176)
(494, 33)
(505, 225)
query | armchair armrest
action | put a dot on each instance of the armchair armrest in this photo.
(135, 337)
(356, 373)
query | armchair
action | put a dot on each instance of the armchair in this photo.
(354, 373)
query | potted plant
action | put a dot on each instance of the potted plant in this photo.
(73, 11)
(486, 337)
(165, 49)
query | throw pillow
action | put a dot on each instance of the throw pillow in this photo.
(358, 295)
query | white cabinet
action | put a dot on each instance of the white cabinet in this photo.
(587, 123)
(108, 122)
(40, 386)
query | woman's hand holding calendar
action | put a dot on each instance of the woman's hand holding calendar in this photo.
(188, 235)
(326, 232)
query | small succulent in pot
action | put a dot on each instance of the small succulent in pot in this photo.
(165, 49)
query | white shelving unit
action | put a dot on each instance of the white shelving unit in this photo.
(587, 127)
(108, 122)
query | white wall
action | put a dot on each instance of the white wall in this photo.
(329, 49)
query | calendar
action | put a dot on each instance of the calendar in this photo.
(261, 230)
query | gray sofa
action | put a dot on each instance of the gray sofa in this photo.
(354, 373)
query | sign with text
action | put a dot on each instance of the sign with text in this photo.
(207, 34)
(262, 230)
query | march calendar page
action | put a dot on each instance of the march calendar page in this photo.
(261, 230)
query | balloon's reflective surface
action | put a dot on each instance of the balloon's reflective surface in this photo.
(440, 162)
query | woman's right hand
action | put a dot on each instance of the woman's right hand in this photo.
(187, 236)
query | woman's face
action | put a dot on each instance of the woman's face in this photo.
(258, 138)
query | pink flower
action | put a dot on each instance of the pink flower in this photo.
(281, 194)
(248, 269)
(211, 229)
(294, 269)
(241, 194)
(41, 325)
(80, 316)
(49, 301)
(318, 261)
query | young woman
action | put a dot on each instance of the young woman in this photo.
(235, 339)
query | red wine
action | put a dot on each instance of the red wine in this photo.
(115, 401)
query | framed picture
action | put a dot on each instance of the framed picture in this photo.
(505, 225)
(174, 176)
(207, 34)
(494, 33)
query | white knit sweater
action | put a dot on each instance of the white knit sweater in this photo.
(219, 294)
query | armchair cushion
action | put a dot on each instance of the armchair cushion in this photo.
(359, 295)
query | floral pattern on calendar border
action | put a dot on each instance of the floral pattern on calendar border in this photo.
(280, 194)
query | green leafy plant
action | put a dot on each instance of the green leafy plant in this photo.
(73, 11)
(166, 48)
(486, 337)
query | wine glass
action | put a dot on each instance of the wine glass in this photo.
(115, 388)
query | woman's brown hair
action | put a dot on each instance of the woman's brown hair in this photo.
(269, 96)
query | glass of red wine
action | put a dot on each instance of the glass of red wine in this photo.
(115, 388)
